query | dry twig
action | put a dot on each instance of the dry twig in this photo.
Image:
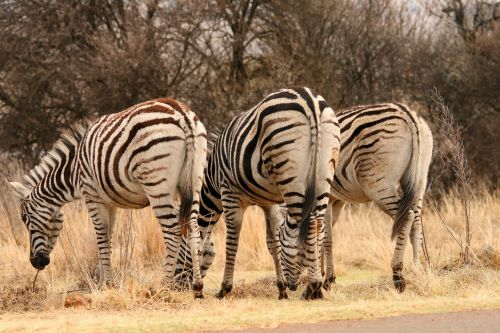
(457, 159)
(34, 280)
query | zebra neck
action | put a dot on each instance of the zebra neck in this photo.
(57, 187)
(54, 180)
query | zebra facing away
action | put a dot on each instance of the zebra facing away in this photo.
(282, 150)
(386, 151)
(150, 154)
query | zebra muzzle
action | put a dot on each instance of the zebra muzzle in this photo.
(40, 260)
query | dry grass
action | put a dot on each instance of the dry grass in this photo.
(65, 295)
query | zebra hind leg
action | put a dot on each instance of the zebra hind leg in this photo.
(166, 214)
(194, 242)
(416, 235)
(397, 260)
(273, 219)
(386, 196)
(313, 246)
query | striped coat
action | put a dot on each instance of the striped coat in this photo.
(150, 154)
(386, 151)
(282, 150)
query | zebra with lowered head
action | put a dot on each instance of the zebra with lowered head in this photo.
(282, 150)
(150, 154)
(386, 151)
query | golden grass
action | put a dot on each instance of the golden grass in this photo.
(355, 297)
(139, 303)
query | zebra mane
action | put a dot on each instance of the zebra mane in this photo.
(213, 136)
(67, 141)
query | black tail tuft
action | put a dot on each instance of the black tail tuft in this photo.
(403, 207)
(309, 200)
(185, 210)
(186, 183)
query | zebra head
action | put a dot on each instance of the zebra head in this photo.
(289, 252)
(44, 223)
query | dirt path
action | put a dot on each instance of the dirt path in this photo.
(457, 322)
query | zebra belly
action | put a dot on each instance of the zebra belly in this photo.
(254, 196)
(133, 197)
(347, 188)
(349, 194)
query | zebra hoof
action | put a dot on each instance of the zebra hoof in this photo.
(282, 290)
(221, 294)
(198, 289)
(106, 284)
(224, 290)
(400, 285)
(283, 295)
(312, 292)
(318, 294)
(399, 281)
(329, 281)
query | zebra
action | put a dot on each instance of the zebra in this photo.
(281, 150)
(386, 151)
(152, 153)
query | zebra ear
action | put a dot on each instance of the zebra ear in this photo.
(21, 190)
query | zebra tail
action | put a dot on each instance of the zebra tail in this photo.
(408, 184)
(310, 194)
(186, 184)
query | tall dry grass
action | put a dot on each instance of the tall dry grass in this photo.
(361, 241)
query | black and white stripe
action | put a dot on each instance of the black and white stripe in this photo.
(282, 150)
(150, 154)
(386, 151)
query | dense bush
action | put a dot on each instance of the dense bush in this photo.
(64, 60)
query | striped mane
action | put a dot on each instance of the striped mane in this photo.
(67, 141)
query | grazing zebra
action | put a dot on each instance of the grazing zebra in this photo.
(386, 151)
(150, 154)
(283, 149)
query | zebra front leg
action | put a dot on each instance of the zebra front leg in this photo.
(210, 212)
(273, 219)
(207, 252)
(234, 217)
(103, 217)
(331, 217)
(397, 260)
(184, 267)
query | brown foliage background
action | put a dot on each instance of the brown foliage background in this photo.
(64, 60)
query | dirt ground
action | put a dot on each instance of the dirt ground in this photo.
(457, 322)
